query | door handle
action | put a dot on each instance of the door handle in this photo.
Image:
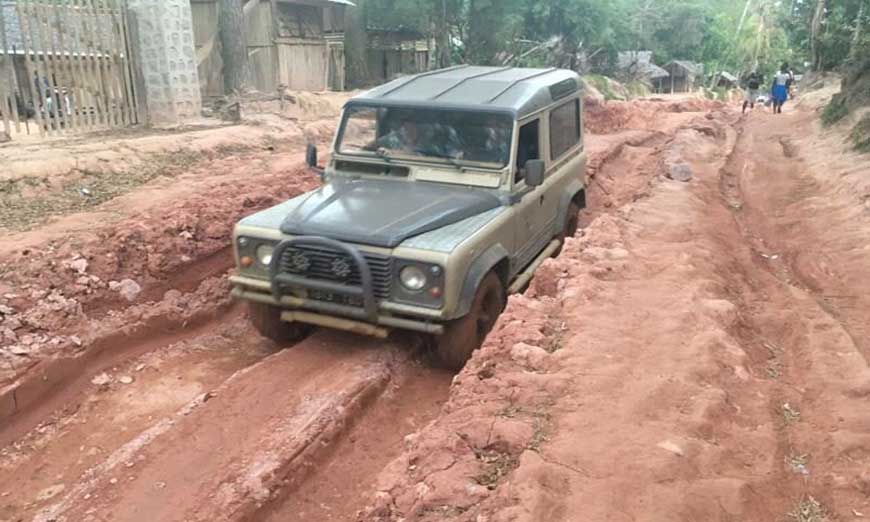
(541, 200)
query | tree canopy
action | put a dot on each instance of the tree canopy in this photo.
(588, 34)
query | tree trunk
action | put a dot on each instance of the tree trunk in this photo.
(856, 35)
(815, 34)
(443, 37)
(234, 45)
(356, 45)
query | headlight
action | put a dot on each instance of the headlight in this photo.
(413, 278)
(264, 254)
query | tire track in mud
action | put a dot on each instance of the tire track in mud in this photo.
(814, 366)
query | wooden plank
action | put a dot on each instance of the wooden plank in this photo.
(57, 67)
(109, 64)
(103, 88)
(131, 63)
(86, 99)
(61, 26)
(27, 41)
(117, 71)
(93, 62)
(47, 71)
(5, 60)
(124, 59)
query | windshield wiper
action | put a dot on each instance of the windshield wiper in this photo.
(450, 159)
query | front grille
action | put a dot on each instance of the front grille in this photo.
(330, 265)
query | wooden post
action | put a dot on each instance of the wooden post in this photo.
(27, 40)
(130, 65)
(6, 108)
(124, 60)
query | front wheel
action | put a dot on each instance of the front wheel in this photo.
(464, 335)
(267, 320)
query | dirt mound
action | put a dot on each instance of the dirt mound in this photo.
(608, 117)
(49, 292)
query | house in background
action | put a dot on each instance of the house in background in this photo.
(638, 65)
(726, 80)
(395, 52)
(298, 44)
(683, 76)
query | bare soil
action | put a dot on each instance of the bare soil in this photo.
(697, 352)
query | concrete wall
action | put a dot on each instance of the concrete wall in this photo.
(162, 35)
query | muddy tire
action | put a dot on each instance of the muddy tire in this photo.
(267, 320)
(464, 335)
(572, 223)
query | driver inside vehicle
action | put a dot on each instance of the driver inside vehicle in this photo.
(421, 139)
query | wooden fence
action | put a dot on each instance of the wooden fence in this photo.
(66, 66)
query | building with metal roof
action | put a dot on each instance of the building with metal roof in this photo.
(504, 89)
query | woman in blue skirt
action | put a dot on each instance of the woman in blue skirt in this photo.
(779, 89)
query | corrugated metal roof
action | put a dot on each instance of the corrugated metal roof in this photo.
(517, 90)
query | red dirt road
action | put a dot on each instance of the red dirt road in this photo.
(698, 352)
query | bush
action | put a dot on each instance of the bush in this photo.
(836, 110)
(860, 134)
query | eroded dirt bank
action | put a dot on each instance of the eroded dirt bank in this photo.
(668, 365)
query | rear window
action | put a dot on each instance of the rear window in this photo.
(564, 128)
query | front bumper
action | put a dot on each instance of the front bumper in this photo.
(386, 314)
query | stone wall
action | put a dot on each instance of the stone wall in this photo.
(162, 35)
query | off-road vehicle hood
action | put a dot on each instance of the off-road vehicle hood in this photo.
(383, 212)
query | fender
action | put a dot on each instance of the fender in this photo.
(575, 187)
(479, 268)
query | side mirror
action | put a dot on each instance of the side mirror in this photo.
(311, 159)
(311, 155)
(534, 172)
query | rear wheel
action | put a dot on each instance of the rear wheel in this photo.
(572, 223)
(464, 335)
(267, 320)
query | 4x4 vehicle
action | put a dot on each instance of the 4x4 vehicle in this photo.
(443, 194)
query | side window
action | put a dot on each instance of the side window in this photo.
(529, 147)
(564, 128)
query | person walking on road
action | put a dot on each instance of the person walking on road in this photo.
(779, 89)
(753, 82)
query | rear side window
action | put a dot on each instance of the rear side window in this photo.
(564, 128)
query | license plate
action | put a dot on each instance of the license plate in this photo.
(330, 297)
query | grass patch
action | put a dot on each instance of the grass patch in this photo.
(790, 413)
(808, 510)
(603, 85)
(496, 466)
(29, 201)
(637, 89)
(835, 111)
(860, 134)
(798, 463)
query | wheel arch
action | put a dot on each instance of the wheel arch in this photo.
(574, 193)
(495, 258)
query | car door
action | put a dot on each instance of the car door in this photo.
(531, 236)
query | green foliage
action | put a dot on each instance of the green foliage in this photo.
(588, 34)
(835, 111)
(860, 134)
(602, 85)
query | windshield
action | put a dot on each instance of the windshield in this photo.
(456, 136)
